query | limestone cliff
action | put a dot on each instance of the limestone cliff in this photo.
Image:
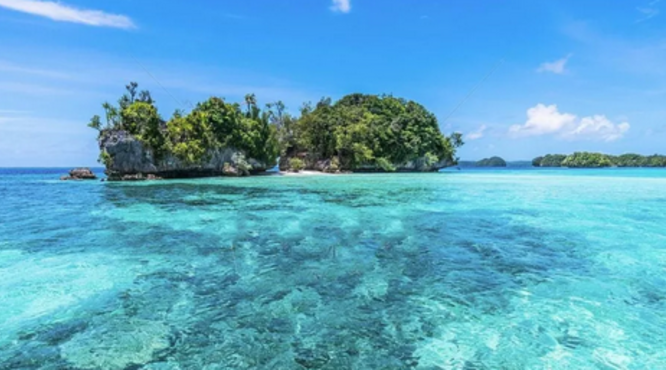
(127, 158)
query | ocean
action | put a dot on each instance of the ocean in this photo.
(469, 269)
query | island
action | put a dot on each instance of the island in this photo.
(491, 162)
(358, 133)
(599, 160)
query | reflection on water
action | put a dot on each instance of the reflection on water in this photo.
(452, 271)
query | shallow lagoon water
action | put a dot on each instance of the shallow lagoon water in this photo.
(481, 269)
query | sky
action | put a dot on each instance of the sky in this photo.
(519, 78)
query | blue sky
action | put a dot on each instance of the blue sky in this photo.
(561, 75)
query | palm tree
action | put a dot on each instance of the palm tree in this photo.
(251, 101)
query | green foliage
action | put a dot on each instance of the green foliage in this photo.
(105, 159)
(355, 131)
(190, 137)
(212, 124)
(587, 160)
(637, 160)
(491, 162)
(593, 160)
(430, 159)
(95, 123)
(359, 128)
(296, 164)
(385, 165)
(551, 160)
(251, 132)
(142, 120)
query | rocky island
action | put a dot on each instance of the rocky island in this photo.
(491, 162)
(599, 160)
(81, 173)
(358, 133)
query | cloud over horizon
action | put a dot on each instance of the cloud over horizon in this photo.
(547, 120)
(64, 13)
(341, 6)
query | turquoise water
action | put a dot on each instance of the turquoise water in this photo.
(482, 269)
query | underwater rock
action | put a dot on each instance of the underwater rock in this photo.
(116, 344)
(61, 332)
(81, 173)
(312, 358)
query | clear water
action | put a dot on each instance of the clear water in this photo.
(483, 269)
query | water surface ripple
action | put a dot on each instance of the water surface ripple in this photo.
(460, 270)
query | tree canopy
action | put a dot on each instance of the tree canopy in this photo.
(375, 130)
(355, 131)
(549, 160)
(491, 162)
(212, 124)
(593, 160)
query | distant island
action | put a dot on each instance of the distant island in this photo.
(599, 160)
(491, 162)
(359, 133)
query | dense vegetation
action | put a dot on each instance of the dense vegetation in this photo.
(637, 160)
(550, 160)
(491, 162)
(594, 160)
(358, 130)
(368, 130)
(210, 125)
(587, 160)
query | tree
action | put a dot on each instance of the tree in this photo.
(359, 129)
(552, 160)
(95, 123)
(250, 101)
(296, 164)
(587, 160)
(144, 96)
(131, 90)
(112, 116)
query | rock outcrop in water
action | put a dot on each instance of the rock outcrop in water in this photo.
(127, 158)
(358, 133)
(81, 173)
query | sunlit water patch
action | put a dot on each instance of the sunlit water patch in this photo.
(480, 270)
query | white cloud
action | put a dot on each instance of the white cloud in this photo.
(542, 120)
(648, 12)
(557, 67)
(476, 134)
(547, 120)
(342, 6)
(64, 13)
(598, 127)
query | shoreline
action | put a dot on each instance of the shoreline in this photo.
(305, 173)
